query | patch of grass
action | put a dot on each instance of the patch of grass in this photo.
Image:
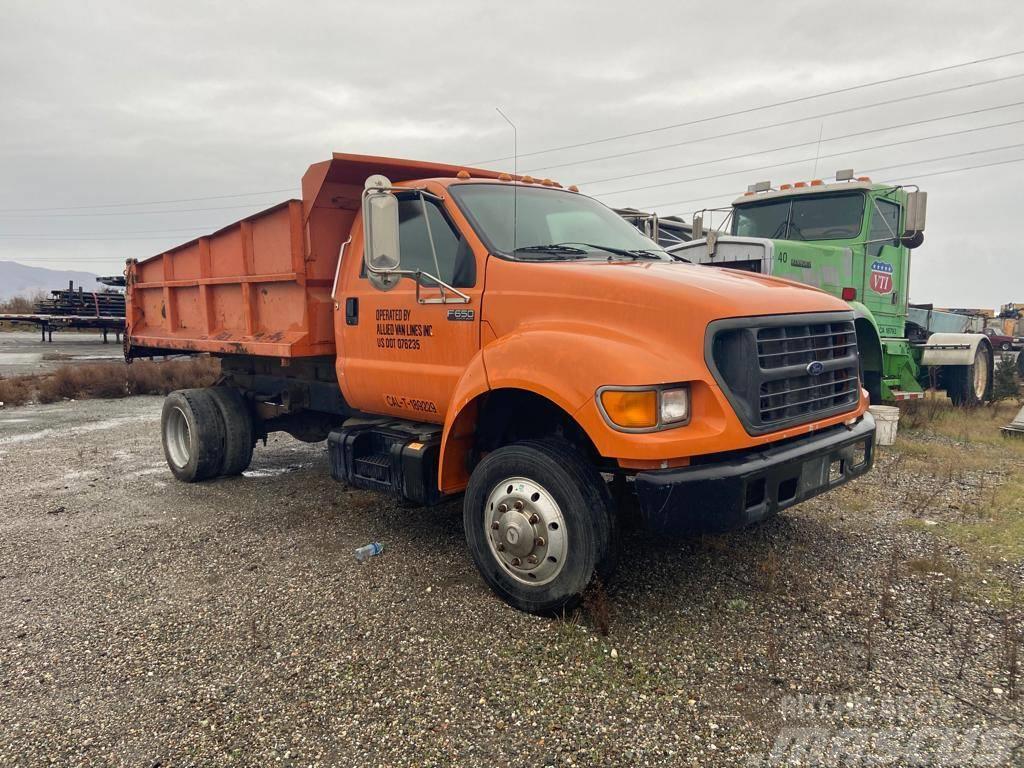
(110, 380)
(15, 391)
(998, 530)
(938, 416)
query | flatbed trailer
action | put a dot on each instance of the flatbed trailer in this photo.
(445, 333)
(47, 324)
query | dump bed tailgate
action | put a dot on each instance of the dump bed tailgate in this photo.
(246, 289)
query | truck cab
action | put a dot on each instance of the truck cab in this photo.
(853, 239)
(460, 333)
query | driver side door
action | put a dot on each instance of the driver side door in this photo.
(403, 357)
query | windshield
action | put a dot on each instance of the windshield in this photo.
(809, 217)
(550, 224)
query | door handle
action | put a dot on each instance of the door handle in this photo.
(352, 310)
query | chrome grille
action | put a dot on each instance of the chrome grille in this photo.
(807, 368)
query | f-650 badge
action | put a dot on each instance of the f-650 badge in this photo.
(881, 277)
(461, 314)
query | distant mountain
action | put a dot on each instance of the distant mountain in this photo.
(20, 280)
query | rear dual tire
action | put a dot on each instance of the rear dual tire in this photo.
(206, 433)
(970, 385)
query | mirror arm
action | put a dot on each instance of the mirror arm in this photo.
(458, 298)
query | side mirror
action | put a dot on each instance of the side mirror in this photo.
(912, 241)
(697, 229)
(917, 207)
(380, 226)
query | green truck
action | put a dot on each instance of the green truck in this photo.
(853, 239)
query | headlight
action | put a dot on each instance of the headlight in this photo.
(675, 405)
(644, 409)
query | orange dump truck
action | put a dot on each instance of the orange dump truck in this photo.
(454, 331)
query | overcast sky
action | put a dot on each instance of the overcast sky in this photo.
(107, 102)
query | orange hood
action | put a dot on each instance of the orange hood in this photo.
(646, 296)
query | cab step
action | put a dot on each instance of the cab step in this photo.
(390, 455)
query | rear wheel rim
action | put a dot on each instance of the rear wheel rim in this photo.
(179, 438)
(526, 531)
(980, 374)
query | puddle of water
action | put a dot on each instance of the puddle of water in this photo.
(271, 471)
(97, 426)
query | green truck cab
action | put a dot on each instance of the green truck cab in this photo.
(853, 239)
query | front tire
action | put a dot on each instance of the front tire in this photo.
(971, 385)
(540, 524)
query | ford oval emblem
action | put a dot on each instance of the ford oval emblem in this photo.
(815, 368)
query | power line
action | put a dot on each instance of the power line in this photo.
(128, 213)
(734, 193)
(808, 159)
(651, 205)
(77, 238)
(957, 170)
(781, 123)
(149, 202)
(804, 143)
(111, 232)
(749, 110)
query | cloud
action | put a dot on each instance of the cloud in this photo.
(148, 101)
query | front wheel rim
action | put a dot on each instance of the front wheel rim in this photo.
(526, 531)
(179, 438)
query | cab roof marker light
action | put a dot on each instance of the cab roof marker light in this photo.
(817, 182)
(864, 178)
(785, 186)
(526, 179)
(845, 174)
(800, 184)
(463, 174)
(504, 177)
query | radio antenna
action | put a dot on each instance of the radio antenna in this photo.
(515, 178)
(817, 152)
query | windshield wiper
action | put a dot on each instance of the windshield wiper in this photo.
(555, 250)
(635, 253)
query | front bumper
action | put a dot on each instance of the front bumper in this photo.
(736, 492)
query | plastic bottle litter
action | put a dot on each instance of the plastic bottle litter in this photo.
(367, 551)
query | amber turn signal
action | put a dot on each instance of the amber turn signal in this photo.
(631, 409)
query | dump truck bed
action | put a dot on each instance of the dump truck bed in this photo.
(245, 289)
(262, 285)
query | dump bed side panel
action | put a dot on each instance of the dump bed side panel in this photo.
(262, 286)
(247, 289)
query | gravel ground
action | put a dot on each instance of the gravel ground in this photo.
(147, 622)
